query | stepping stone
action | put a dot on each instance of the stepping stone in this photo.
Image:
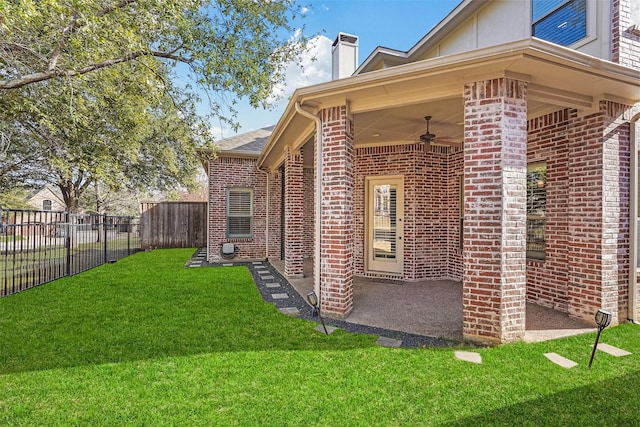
(469, 356)
(559, 360)
(194, 265)
(263, 272)
(614, 351)
(388, 342)
(330, 329)
(257, 263)
(227, 265)
(291, 311)
(279, 296)
(267, 277)
(273, 285)
(196, 262)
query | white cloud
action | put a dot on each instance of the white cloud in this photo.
(311, 72)
(219, 132)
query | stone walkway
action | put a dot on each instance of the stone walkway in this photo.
(275, 289)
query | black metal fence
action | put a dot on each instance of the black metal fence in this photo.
(40, 246)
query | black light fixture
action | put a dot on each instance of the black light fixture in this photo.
(313, 300)
(603, 319)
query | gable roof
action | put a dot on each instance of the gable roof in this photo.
(392, 57)
(249, 143)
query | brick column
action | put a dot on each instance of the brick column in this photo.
(598, 261)
(293, 214)
(495, 166)
(336, 247)
(625, 44)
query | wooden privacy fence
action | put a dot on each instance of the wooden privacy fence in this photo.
(173, 225)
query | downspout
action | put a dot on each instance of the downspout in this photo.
(633, 222)
(266, 225)
(318, 198)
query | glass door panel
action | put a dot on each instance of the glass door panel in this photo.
(384, 245)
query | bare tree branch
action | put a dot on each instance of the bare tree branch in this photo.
(52, 73)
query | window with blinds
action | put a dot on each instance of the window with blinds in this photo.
(536, 210)
(559, 21)
(239, 212)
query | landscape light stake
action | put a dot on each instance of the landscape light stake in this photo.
(313, 300)
(603, 319)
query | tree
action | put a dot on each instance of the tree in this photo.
(238, 46)
(113, 128)
(90, 94)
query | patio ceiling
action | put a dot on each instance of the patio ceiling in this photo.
(388, 106)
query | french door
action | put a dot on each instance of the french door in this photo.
(384, 246)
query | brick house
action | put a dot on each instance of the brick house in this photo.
(521, 185)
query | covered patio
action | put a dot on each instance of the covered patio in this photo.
(456, 195)
(432, 308)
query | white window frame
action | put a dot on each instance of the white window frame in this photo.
(592, 13)
(239, 212)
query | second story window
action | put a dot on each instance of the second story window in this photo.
(563, 22)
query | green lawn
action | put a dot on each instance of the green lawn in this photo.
(147, 342)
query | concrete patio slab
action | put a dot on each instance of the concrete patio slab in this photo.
(432, 308)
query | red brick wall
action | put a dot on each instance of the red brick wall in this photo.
(587, 230)
(309, 212)
(625, 44)
(232, 172)
(548, 140)
(294, 214)
(455, 170)
(275, 215)
(427, 240)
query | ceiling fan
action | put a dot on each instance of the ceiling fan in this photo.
(429, 138)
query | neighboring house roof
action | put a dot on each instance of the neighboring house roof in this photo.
(248, 143)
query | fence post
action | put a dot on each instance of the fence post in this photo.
(128, 235)
(104, 219)
(68, 242)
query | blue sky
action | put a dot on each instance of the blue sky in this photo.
(396, 24)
